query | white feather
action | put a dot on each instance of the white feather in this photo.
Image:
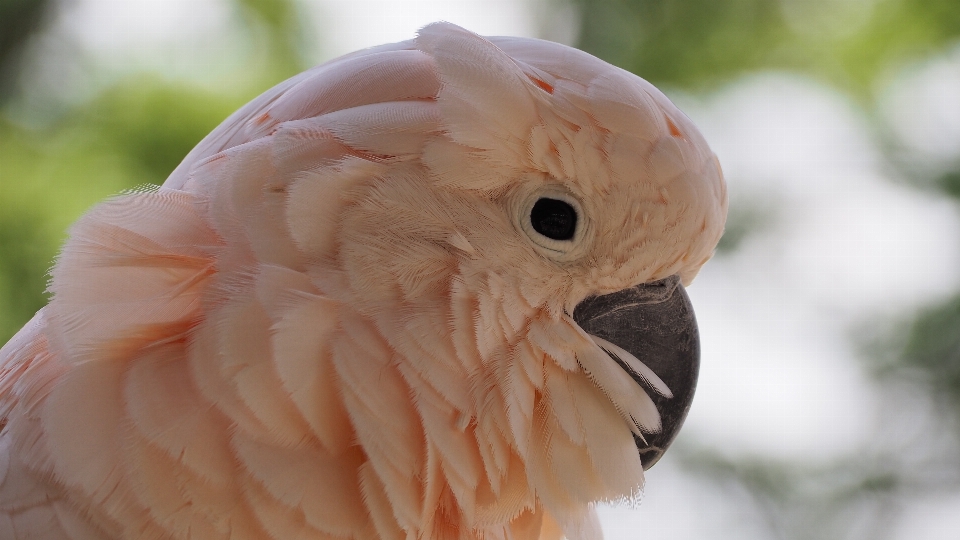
(638, 367)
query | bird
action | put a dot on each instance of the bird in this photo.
(428, 290)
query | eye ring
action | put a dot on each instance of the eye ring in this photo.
(562, 222)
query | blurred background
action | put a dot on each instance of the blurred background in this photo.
(829, 400)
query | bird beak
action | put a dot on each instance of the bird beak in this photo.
(655, 323)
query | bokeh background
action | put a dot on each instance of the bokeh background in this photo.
(830, 394)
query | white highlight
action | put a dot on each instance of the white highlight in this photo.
(346, 26)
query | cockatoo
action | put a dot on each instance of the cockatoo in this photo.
(429, 290)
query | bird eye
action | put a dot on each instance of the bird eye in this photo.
(553, 218)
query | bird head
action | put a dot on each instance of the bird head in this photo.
(518, 219)
(543, 177)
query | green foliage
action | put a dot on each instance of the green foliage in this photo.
(24, 248)
(153, 123)
(932, 350)
(276, 25)
(685, 43)
(133, 133)
(950, 183)
(701, 43)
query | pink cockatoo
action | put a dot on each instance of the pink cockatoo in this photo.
(429, 290)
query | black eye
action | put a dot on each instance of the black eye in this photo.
(554, 219)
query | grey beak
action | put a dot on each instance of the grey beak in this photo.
(655, 323)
